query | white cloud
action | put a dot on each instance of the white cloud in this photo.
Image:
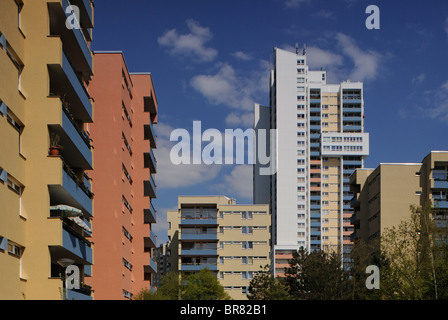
(170, 175)
(190, 44)
(242, 56)
(419, 79)
(295, 3)
(439, 99)
(238, 183)
(225, 87)
(366, 63)
(245, 119)
(317, 58)
(325, 14)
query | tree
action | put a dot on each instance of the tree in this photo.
(317, 276)
(169, 289)
(203, 285)
(361, 257)
(416, 255)
(265, 287)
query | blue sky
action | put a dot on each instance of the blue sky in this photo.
(210, 61)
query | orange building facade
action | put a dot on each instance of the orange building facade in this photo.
(124, 186)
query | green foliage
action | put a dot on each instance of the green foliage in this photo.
(416, 255)
(265, 287)
(202, 285)
(317, 276)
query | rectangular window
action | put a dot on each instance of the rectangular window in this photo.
(14, 249)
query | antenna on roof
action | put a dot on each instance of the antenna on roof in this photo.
(297, 48)
(304, 49)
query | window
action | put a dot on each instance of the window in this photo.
(127, 264)
(127, 175)
(19, 4)
(246, 230)
(14, 249)
(127, 234)
(125, 141)
(127, 294)
(14, 121)
(247, 215)
(126, 203)
(13, 57)
(247, 245)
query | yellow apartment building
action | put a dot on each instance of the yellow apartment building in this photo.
(383, 196)
(214, 232)
(45, 108)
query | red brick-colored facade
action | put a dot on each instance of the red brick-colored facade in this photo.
(123, 178)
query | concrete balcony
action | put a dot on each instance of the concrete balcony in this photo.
(346, 109)
(150, 215)
(75, 42)
(198, 267)
(86, 12)
(78, 246)
(441, 204)
(353, 118)
(77, 295)
(198, 222)
(150, 135)
(199, 252)
(150, 105)
(71, 192)
(351, 101)
(199, 237)
(150, 161)
(76, 146)
(439, 184)
(352, 128)
(64, 82)
(151, 267)
(150, 188)
(150, 242)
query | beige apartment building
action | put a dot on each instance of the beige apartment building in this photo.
(214, 232)
(383, 196)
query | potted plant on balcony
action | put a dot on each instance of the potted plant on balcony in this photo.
(85, 289)
(55, 148)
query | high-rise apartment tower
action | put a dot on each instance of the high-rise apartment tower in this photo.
(319, 142)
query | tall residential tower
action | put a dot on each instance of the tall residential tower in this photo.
(126, 109)
(320, 141)
(46, 204)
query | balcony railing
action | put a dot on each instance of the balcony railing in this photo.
(84, 136)
(78, 182)
(79, 35)
(150, 215)
(78, 294)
